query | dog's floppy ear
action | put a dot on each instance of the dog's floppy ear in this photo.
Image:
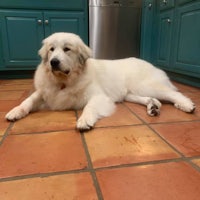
(43, 51)
(84, 53)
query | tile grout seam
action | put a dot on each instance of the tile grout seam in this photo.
(90, 166)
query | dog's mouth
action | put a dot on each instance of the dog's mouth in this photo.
(60, 72)
(66, 72)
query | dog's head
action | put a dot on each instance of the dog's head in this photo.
(64, 53)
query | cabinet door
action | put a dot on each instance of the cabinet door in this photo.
(148, 9)
(187, 40)
(64, 22)
(164, 36)
(22, 33)
(1, 46)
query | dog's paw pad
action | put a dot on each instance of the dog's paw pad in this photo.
(153, 108)
(153, 112)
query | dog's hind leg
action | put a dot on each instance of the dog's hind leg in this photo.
(179, 100)
(169, 93)
(153, 105)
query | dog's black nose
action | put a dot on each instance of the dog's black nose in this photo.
(55, 64)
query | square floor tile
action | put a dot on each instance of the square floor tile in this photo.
(60, 187)
(183, 136)
(168, 113)
(167, 181)
(41, 153)
(45, 121)
(123, 145)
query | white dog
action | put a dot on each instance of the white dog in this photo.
(67, 78)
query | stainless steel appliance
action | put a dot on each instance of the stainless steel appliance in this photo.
(114, 28)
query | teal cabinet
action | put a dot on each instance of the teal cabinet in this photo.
(173, 38)
(21, 37)
(187, 40)
(22, 33)
(25, 23)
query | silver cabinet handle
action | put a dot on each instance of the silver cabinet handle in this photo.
(46, 22)
(169, 21)
(165, 1)
(39, 21)
(150, 6)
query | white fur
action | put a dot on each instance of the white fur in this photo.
(95, 85)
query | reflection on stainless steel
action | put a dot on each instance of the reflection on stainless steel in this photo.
(114, 27)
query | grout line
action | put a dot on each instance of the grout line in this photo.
(195, 166)
(43, 175)
(155, 162)
(6, 132)
(138, 164)
(91, 169)
(44, 132)
(175, 122)
(90, 166)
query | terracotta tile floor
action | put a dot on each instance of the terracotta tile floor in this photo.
(128, 156)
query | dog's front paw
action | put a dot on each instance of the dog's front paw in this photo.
(84, 124)
(16, 113)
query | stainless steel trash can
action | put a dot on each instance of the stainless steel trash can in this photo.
(114, 28)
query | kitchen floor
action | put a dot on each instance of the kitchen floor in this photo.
(128, 156)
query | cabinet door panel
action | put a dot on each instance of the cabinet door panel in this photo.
(187, 39)
(64, 22)
(164, 36)
(22, 37)
(1, 46)
(146, 30)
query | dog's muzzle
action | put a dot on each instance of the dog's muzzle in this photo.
(55, 66)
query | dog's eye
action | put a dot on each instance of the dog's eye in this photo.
(66, 49)
(51, 49)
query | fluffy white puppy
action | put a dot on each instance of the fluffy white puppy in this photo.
(67, 78)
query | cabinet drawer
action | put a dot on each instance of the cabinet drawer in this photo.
(166, 4)
(47, 4)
